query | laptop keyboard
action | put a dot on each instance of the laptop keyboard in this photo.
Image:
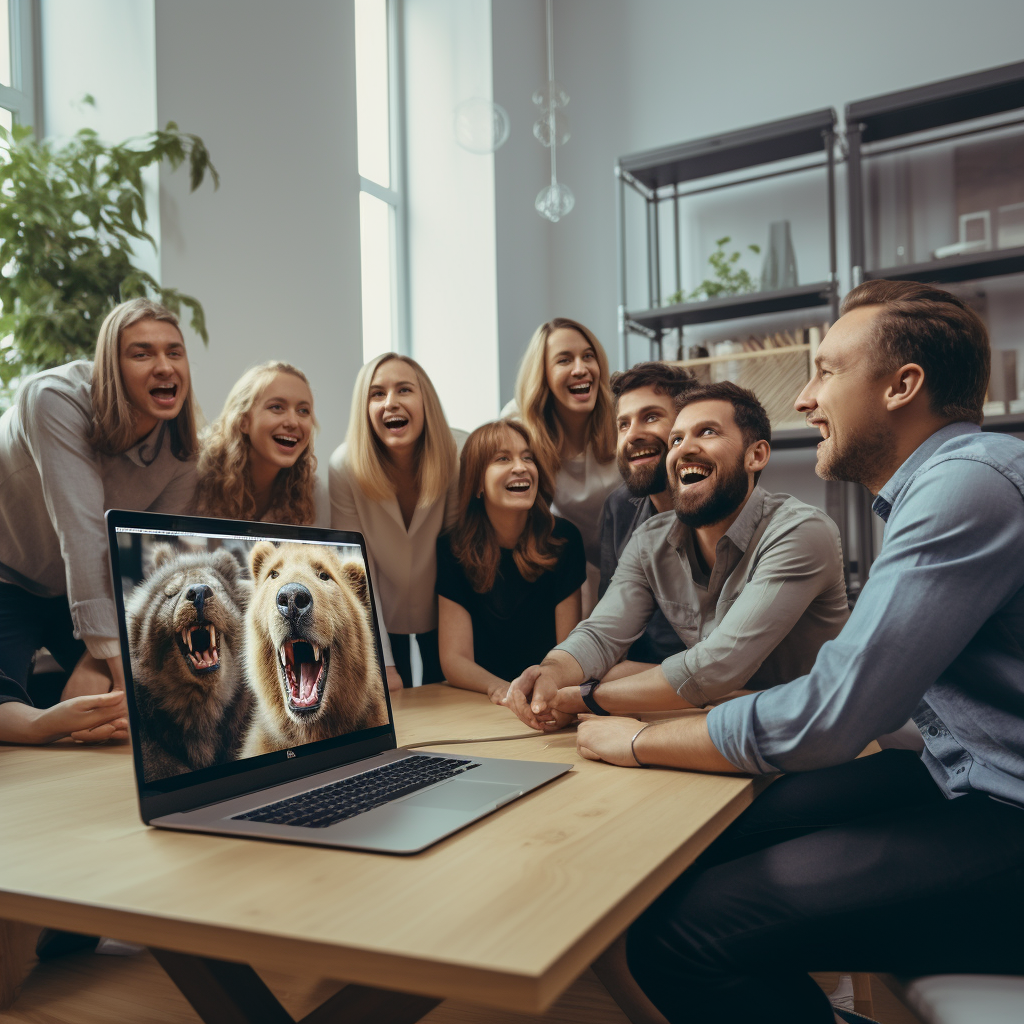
(337, 801)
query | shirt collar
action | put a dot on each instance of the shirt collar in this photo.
(144, 453)
(741, 533)
(891, 490)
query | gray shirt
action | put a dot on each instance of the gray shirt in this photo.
(775, 595)
(54, 489)
(937, 633)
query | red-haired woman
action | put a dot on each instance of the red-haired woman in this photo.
(509, 573)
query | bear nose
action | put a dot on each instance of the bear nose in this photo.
(198, 595)
(294, 601)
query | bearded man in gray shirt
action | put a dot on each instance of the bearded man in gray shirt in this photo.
(751, 582)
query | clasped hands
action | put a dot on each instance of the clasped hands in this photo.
(538, 700)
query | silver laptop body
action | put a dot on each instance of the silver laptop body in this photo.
(255, 675)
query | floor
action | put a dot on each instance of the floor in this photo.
(85, 988)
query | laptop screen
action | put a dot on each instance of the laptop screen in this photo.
(246, 645)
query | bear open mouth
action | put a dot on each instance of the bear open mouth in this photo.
(304, 667)
(198, 645)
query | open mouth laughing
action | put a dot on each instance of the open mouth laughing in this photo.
(286, 441)
(822, 426)
(395, 423)
(519, 486)
(198, 646)
(304, 672)
(691, 473)
(641, 456)
(164, 394)
(581, 389)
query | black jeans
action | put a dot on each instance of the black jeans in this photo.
(429, 656)
(27, 623)
(861, 867)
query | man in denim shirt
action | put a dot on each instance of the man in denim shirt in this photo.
(894, 862)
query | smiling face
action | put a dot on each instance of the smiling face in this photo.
(845, 400)
(707, 463)
(280, 424)
(572, 370)
(510, 478)
(395, 405)
(644, 420)
(154, 370)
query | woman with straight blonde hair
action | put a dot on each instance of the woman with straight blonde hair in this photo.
(395, 480)
(563, 398)
(257, 461)
(117, 432)
(508, 573)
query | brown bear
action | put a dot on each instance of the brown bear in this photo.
(312, 661)
(185, 633)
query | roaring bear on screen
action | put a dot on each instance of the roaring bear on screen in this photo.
(185, 632)
(312, 661)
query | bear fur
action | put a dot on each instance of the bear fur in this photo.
(312, 660)
(185, 634)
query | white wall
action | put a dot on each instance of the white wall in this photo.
(106, 49)
(274, 254)
(451, 202)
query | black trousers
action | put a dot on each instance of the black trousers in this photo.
(27, 623)
(429, 656)
(861, 867)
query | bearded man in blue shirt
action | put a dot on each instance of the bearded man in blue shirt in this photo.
(897, 862)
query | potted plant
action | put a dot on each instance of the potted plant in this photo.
(69, 216)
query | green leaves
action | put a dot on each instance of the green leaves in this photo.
(725, 280)
(69, 216)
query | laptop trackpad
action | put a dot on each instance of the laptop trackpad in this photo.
(463, 795)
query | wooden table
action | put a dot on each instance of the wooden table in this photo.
(506, 913)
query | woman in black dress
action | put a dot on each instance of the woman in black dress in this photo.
(509, 572)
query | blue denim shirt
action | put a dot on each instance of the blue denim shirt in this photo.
(937, 634)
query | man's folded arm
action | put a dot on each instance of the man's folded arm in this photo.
(952, 558)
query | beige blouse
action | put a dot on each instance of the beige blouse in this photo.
(403, 562)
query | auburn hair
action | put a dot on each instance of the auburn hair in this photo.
(225, 487)
(112, 430)
(473, 540)
(537, 404)
(436, 457)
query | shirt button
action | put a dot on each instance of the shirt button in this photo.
(932, 731)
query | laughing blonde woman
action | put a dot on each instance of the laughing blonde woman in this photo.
(395, 480)
(563, 398)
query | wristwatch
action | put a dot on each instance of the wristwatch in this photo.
(587, 693)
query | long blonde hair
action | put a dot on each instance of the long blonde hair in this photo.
(113, 415)
(437, 458)
(537, 404)
(225, 488)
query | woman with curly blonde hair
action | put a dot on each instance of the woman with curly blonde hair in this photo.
(563, 398)
(257, 461)
(395, 480)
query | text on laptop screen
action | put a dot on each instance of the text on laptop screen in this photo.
(241, 646)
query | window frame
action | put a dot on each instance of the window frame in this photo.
(23, 98)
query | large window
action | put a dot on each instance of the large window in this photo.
(17, 63)
(380, 207)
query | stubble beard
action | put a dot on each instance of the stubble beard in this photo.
(861, 460)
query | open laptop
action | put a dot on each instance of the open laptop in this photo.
(257, 694)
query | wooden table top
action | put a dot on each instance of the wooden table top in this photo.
(506, 913)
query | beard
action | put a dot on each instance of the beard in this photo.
(726, 496)
(857, 459)
(644, 480)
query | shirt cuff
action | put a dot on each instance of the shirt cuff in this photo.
(95, 619)
(732, 731)
(102, 647)
(586, 653)
(683, 682)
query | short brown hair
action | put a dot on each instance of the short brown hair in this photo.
(747, 411)
(922, 324)
(663, 378)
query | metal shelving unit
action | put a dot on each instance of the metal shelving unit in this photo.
(657, 176)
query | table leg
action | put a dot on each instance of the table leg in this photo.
(17, 954)
(222, 992)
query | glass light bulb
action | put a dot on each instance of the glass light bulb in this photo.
(555, 201)
(480, 125)
(551, 95)
(542, 128)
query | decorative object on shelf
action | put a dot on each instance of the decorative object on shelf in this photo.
(726, 278)
(779, 268)
(1010, 226)
(975, 236)
(556, 200)
(481, 126)
(69, 215)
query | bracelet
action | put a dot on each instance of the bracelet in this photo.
(632, 749)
